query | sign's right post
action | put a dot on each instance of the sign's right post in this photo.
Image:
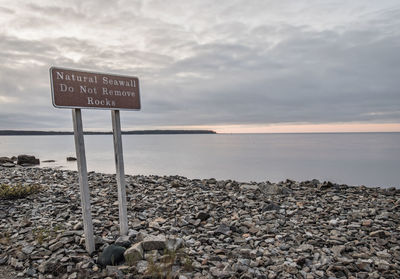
(119, 165)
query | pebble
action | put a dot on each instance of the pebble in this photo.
(214, 229)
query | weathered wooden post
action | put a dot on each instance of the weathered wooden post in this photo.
(83, 180)
(80, 89)
(119, 165)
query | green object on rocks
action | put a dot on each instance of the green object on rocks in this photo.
(112, 255)
(10, 192)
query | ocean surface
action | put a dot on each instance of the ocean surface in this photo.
(370, 159)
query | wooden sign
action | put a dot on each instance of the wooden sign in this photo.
(81, 89)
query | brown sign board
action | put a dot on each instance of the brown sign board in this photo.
(81, 89)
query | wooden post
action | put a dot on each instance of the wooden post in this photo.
(119, 165)
(83, 180)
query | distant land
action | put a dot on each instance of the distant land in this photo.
(139, 132)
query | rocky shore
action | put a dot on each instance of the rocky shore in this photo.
(182, 228)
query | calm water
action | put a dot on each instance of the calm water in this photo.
(371, 159)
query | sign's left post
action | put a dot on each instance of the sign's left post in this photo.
(83, 180)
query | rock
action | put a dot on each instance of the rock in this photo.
(382, 265)
(337, 250)
(379, 233)
(154, 225)
(27, 249)
(174, 244)
(305, 248)
(151, 242)
(364, 265)
(27, 160)
(134, 254)
(333, 222)
(366, 223)
(3, 259)
(223, 229)
(16, 264)
(142, 266)
(325, 185)
(176, 184)
(8, 165)
(112, 255)
(99, 241)
(47, 266)
(4, 160)
(69, 159)
(273, 189)
(271, 206)
(56, 246)
(248, 187)
(78, 226)
(114, 272)
(220, 273)
(31, 272)
(124, 241)
(203, 216)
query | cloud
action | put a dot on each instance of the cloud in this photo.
(207, 63)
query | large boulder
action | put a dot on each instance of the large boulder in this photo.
(27, 160)
(112, 255)
(151, 242)
(134, 254)
(4, 160)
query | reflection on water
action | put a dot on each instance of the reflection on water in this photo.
(371, 159)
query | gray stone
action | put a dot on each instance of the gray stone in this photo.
(248, 187)
(3, 259)
(47, 266)
(337, 250)
(220, 273)
(78, 226)
(223, 229)
(4, 160)
(273, 189)
(151, 242)
(27, 160)
(203, 216)
(134, 254)
(56, 246)
(27, 249)
(271, 206)
(30, 272)
(142, 266)
(114, 272)
(123, 241)
(174, 244)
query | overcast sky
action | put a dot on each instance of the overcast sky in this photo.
(207, 63)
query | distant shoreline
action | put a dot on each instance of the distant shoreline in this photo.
(166, 132)
(139, 132)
